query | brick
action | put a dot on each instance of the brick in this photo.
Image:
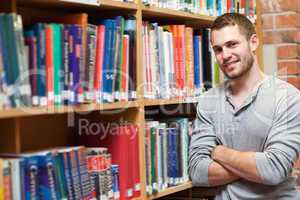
(277, 37)
(289, 51)
(287, 21)
(269, 6)
(288, 68)
(272, 37)
(289, 5)
(295, 81)
(275, 6)
(267, 21)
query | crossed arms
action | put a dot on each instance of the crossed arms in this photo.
(211, 164)
(230, 165)
(223, 165)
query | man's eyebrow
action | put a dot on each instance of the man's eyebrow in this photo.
(231, 41)
(216, 46)
(226, 43)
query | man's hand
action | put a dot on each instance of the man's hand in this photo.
(240, 163)
(219, 152)
(219, 175)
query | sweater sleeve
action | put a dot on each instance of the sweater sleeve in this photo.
(203, 140)
(282, 146)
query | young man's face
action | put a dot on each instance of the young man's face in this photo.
(233, 51)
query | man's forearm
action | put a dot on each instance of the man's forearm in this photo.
(218, 175)
(242, 164)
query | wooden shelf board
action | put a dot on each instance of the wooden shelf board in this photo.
(158, 102)
(172, 190)
(32, 111)
(97, 107)
(52, 3)
(105, 4)
(118, 4)
(137, 198)
(152, 11)
(26, 111)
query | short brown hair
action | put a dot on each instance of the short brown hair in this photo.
(231, 19)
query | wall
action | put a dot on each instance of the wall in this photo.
(281, 39)
(281, 32)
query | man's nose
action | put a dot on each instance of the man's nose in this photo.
(226, 54)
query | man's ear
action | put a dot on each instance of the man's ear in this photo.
(254, 42)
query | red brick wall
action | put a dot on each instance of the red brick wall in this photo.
(281, 27)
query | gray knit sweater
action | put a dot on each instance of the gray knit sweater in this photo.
(268, 123)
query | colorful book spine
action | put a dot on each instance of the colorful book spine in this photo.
(31, 43)
(57, 62)
(31, 178)
(60, 178)
(98, 77)
(46, 177)
(49, 65)
(39, 30)
(22, 65)
(115, 181)
(83, 174)
(106, 73)
(66, 76)
(91, 63)
(130, 29)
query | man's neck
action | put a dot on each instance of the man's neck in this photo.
(247, 83)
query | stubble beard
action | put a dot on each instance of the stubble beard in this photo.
(246, 65)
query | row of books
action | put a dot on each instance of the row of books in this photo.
(122, 143)
(66, 63)
(92, 2)
(14, 83)
(61, 173)
(127, 0)
(178, 61)
(104, 176)
(208, 7)
(89, 2)
(166, 153)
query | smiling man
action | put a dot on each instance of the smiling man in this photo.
(246, 136)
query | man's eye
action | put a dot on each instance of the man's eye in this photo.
(217, 50)
(233, 44)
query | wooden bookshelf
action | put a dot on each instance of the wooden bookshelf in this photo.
(103, 5)
(157, 102)
(98, 107)
(150, 12)
(35, 128)
(33, 111)
(108, 4)
(26, 112)
(172, 190)
(54, 4)
(259, 32)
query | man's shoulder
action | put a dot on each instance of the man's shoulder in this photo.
(283, 83)
(282, 87)
(282, 92)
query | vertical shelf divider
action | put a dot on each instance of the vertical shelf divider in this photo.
(258, 27)
(17, 134)
(10, 135)
(140, 96)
